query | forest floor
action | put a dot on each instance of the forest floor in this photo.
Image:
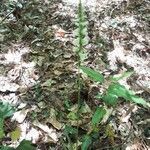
(38, 71)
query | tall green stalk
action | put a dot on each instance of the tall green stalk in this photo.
(80, 41)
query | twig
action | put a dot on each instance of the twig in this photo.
(7, 16)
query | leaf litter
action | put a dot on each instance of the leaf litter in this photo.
(127, 48)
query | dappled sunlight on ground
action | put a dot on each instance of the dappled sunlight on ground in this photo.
(38, 75)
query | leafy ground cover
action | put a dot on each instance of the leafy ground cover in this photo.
(74, 78)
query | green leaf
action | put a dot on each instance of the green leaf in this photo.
(139, 100)
(84, 31)
(76, 42)
(76, 49)
(25, 145)
(98, 115)
(85, 41)
(110, 99)
(83, 56)
(76, 32)
(70, 130)
(117, 90)
(83, 23)
(72, 116)
(86, 142)
(85, 109)
(1, 132)
(94, 75)
(6, 148)
(121, 76)
(1, 128)
(6, 110)
(122, 91)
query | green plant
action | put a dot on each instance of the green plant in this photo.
(24, 145)
(81, 35)
(115, 90)
(6, 110)
(80, 41)
(69, 132)
(87, 140)
(110, 97)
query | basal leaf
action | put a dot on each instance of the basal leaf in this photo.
(98, 115)
(86, 142)
(94, 75)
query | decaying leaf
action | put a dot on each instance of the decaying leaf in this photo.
(47, 83)
(20, 116)
(110, 133)
(50, 131)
